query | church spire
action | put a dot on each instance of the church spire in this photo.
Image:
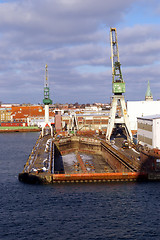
(148, 96)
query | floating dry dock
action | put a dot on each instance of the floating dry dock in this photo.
(81, 159)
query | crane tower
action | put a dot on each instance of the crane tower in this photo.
(47, 101)
(118, 88)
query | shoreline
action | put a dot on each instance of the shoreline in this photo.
(19, 129)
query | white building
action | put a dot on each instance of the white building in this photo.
(93, 108)
(137, 109)
(148, 131)
(39, 121)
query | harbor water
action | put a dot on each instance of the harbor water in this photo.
(71, 211)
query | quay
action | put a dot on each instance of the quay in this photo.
(83, 159)
(19, 129)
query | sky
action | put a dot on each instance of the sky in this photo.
(72, 38)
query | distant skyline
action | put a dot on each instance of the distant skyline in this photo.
(72, 37)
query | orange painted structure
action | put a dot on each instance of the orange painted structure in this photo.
(82, 178)
(99, 177)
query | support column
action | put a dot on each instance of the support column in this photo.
(46, 113)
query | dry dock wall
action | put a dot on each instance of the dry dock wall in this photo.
(116, 160)
(81, 144)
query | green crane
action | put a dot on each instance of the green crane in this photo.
(118, 87)
(118, 84)
(46, 99)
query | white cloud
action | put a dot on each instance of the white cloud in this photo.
(69, 36)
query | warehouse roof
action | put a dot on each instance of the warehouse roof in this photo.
(150, 117)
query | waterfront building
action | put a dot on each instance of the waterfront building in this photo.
(31, 115)
(148, 131)
(137, 109)
(5, 114)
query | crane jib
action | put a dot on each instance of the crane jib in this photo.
(118, 84)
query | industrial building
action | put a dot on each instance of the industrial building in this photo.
(85, 122)
(137, 109)
(148, 131)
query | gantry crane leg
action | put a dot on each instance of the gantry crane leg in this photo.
(124, 120)
(111, 118)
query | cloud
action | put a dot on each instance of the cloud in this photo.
(54, 19)
(72, 37)
(138, 45)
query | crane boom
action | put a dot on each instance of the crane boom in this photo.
(118, 84)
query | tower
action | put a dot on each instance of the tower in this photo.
(148, 96)
(118, 88)
(47, 101)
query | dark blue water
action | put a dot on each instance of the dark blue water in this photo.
(74, 211)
